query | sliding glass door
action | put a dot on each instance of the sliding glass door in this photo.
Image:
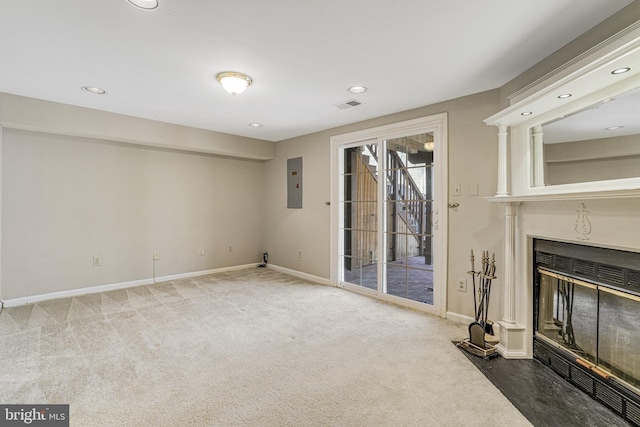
(389, 240)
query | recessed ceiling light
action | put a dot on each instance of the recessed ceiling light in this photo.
(526, 113)
(613, 127)
(357, 89)
(621, 70)
(144, 4)
(255, 125)
(94, 90)
(564, 96)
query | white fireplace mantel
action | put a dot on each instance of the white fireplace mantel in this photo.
(589, 80)
(551, 197)
(520, 187)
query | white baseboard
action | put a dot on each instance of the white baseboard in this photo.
(203, 272)
(466, 320)
(301, 275)
(459, 318)
(15, 302)
(32, 299)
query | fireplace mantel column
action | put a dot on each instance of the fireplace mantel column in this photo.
(508, 294)
(503, 160)
(538, 150)
(512, 340)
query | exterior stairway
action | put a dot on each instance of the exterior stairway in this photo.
(410, 204)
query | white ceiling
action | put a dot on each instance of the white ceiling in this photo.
(302, 55)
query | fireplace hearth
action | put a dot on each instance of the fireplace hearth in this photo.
(587, 318)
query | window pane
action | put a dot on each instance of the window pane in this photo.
(420, 285)
(396, 281)
(361, 272)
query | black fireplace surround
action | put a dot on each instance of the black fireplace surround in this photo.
(587, 320)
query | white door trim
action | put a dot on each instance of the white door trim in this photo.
(437, 124)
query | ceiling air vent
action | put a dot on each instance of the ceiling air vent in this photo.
(349, 104)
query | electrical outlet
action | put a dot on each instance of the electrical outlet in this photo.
(462, 285)
(96, 261)
(474, 189)
(201, 251)
(156, 255)
(299, 253)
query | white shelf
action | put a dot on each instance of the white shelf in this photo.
(554, 197)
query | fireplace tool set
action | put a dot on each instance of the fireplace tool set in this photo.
(477, 343)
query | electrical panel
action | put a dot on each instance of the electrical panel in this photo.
(294, 183)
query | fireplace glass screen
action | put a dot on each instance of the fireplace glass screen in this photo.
(595, 322)
(568, 314)
(619, 336)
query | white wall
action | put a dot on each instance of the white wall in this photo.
(19, 112)
(476, 224)
(287, 231)
(67, 199)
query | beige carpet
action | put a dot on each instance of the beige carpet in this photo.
(247, 348)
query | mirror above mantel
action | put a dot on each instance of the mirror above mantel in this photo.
(598, 143)
(577, 129)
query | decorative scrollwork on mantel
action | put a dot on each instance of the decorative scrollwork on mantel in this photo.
(583, 225)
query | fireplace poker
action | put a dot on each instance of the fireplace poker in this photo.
(473, 280)
(483, 285)
(492, 271)
(480, 283)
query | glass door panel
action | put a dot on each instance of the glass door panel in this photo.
(408, 228)
(360, 217)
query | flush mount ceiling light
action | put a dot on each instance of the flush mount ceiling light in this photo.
(613, 127)
(144, 4)
(357, 89)
(255, 125)
(564, 96)
(621, 70)
(526, 113)
(233, 82)
(94, 90)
